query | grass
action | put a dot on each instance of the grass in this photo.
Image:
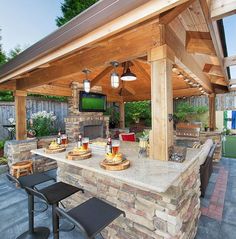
(3, 161)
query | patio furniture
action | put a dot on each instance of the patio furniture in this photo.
(22, 168)
(31, 181)
(10, 128)
(91, 217)
(206, 170)
(127, 137)
(52, 195)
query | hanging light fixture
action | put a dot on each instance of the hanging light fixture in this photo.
(86, 82)
(175, 69)
(115, 81)
(180, 75)
(128, 75)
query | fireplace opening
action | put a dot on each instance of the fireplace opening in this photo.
(93, 131)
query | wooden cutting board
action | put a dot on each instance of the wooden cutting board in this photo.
(55, 151)
(73, 156)
(117, 167)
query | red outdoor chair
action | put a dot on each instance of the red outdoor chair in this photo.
(127, 137)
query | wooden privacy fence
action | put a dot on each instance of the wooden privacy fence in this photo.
(7, 110)
(223, 101)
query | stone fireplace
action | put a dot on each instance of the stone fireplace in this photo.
(89, 124)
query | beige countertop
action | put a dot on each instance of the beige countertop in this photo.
(153, 175)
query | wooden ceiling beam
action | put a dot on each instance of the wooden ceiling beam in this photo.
(51, 90)
(96, 80)
(229, 61)
(143, 72)
(186, 61)
(166, 17)
(215, 36)
(186, 92)
(199, 42)
(222, 8)
(213, 70)
(127, 46)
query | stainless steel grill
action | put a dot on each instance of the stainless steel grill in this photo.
(188, 130)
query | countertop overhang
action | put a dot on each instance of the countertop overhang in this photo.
(145, 173)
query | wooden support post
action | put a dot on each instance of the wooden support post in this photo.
(20, 108)
(212, 112)
(161, 59)
(122, 115)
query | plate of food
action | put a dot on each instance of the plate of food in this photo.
(79, 151)
(112, 159)
(54, 147)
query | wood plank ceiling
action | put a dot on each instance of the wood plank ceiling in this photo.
(191, 19)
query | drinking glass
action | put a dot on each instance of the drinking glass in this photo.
(115, 146)
(85, 142)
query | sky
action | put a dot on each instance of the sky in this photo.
(24, 22)
(230, 37)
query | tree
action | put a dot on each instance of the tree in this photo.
(14, 52)
(71, 8)
(3, 57)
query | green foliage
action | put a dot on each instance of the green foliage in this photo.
(6, 96)
(71, 8)
(3, 161)
(42, 123)
(135, 110)
(112, 112)
(14, 52)
(184, 110)
(2, 142)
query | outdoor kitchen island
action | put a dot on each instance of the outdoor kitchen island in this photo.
(160, 198)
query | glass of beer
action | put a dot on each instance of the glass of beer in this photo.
(115, 146)
(85, 143)
(64, 139)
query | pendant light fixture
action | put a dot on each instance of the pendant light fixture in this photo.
(115, 81)
(86, 82)
(128, 75)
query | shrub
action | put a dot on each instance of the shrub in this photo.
(42, 123)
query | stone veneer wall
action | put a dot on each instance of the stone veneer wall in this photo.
(216, 137)
(19, 150)
(77, 119)
(149, 215)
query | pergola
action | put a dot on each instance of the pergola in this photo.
(165, 42)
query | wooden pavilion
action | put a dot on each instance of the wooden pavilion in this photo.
(176, 48)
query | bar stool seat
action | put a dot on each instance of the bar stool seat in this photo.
(58, 191)
(92, 216)
(22, 168)
(53, 194)
(30, 181)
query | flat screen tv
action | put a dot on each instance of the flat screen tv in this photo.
(92, 102)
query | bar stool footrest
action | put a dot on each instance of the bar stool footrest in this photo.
(39, 233)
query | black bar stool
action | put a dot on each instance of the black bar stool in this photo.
(53, 194)
(91, 217)
(30, 181)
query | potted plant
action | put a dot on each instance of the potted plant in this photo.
(136, 117)
(206, 127)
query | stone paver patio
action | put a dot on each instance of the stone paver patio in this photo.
(218, 219)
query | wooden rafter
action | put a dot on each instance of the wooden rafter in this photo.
(143, 72)
(199, 42)
(222, 8)
(143, 38)
(170, 15)
(186, 61)
(229, 61)
(213, 29)
(96, 80)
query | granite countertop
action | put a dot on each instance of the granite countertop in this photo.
(153, 175)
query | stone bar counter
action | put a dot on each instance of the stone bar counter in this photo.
(160, 199)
